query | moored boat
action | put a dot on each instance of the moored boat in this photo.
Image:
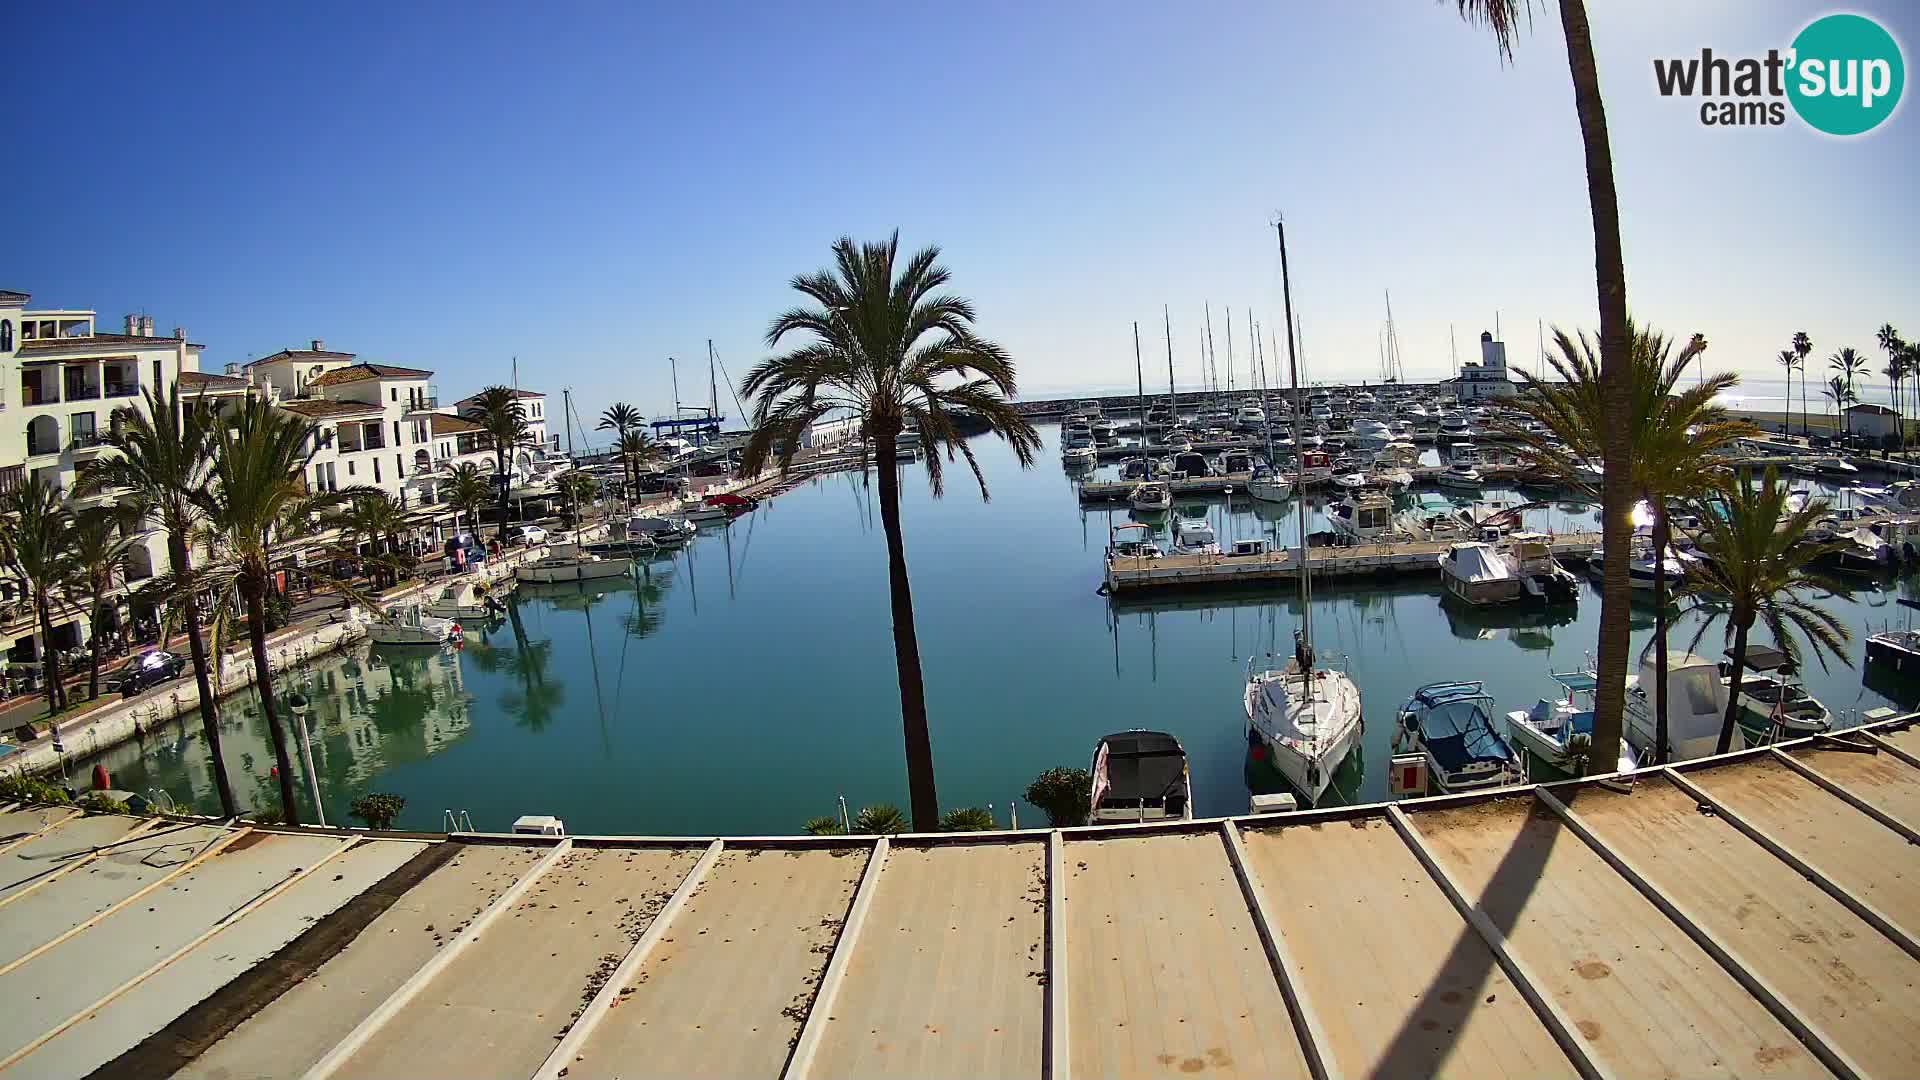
(1139, 776)
(1545, 733)
(1451, 723)
(466, 599)
(409, 625)
(1151, 498)
(564, 562)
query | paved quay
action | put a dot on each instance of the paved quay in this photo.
(1748, 915)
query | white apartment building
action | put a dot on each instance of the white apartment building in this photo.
(61, 381)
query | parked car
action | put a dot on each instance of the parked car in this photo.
(529, 534)
(150, 669)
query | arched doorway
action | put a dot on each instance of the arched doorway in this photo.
(43, 435)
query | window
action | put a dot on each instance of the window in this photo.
(349, 466)
(393, 394)
(396, 433)
(156, 376)
(376, 470)
(6, 335)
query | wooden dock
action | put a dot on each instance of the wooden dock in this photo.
(1127, 574)
(1097, 491)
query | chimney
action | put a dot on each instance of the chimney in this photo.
(133, 326)
(319, 346)
(178, 331)
(146, 326)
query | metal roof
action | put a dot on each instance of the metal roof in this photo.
(1747, 915)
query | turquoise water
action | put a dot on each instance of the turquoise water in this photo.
(744, 685)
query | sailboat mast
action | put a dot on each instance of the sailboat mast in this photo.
(1299, 487)
(566, 408)
(713, 390)
(1226, 324)
(1172, 402)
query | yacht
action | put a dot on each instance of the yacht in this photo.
(1371, 434)
(1306, 721)
(1078, 450)
(1544, 733)
(1460, 475)
(1451, 723)
(1152, 498)
(1105, 430)
(409, 625)
(1235, 462)
(662, 531)
(1774, 704)
(1250, 418)
(1139, 776)
(465, 599)
(566, 562)
(1453, 425)
(1696, 705)
(1179, 442)
(1191, 463)
(1362, 517)
(1136, 469)
(1267, 485)
(1089, 408)
(1897, 649)
(1194, 536)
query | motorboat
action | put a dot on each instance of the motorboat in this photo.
(1179, 443)
(1132, 540)
(1194, 536)
(1105, 430)
(1250, 418)
(1316, 467)
(663, 531)
(1861, 550)
(1352, 481)
(1363, 516)
(1267, 485)
(1090, 407)
(1454, 425)
(1139, 776)
(565, 562)
(1696, 706)
(1371, 434)
(1235, 462)
(1896, 649)
(1461, 475)
(1191, 463)
(410, 625)
(1306, 721)
(1774, 704)
(1545, 733)
(1136, 469)
(722, 507)
(1152, 498)
(1451, 723)
(1474, 571)
(465, 599)
(1078, 450)
(1641, 569)
(1541, 575)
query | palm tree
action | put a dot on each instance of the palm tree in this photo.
(1502, 19)
(36, 546)
(894, 351)
(579, 490)
(497, 409)
(1790, 360)
(637, 448)
(1896, 350)
(101, 542)
(1676, 435)
(1848, 363)
(1802, 348)
(258, 513)
(373, 519)
(165, 456)
(466, 490)
(1896, 374)
(1836, 391)
(620, 418)
(1762, 572)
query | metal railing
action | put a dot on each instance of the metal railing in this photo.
(83, 440)
(82, 393)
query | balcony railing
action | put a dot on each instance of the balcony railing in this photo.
(12, 477)
(123, 389)
(38, 446)
(82, 393)
(83, 440)
(33, 395)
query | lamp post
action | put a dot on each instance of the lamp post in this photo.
(298, 704)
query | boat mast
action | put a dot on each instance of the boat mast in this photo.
(1227, 328)
(713, 391)
(1140, 377)
(1173, 403)
(566, 407)
(1299, 498)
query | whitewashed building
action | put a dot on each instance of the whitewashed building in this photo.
(1486, 379)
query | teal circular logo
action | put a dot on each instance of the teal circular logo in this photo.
(1847, 74)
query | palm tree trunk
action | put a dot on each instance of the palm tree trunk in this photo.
(506, 486)
(1740, 627)
(93, 654)
(1662, 536)
(1803, 401)
(906, 641)
(50, 665)
(197, 645)
(1616, 389)
(256, 592)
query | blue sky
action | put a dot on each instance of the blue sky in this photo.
(593, 188)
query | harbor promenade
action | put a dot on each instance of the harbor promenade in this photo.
(1748, 915)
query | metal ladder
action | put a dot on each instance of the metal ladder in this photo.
(456, 822)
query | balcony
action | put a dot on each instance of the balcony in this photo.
(40, 443)
(32, 394)
(120, 390)
(87, 440)
(82, 391)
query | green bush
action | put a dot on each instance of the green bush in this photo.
(881, 820)
(19, 788)
(377, 809)
(968, 819)
(94, 802)
(267, 817)
(824, 826)
(1064, 795)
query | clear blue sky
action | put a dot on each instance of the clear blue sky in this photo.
(596, 187)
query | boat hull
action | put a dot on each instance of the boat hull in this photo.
(1482, 593)
(587, 571)
(1270, 490)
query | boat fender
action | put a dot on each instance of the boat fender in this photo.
(1313, 773)
(1102, 590)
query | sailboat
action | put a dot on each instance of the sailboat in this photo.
(1304, 717)
(572, 562)
(1267, 484)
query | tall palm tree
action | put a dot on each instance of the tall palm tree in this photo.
(636, 448)
(466, 489)
(1502, 18)
(1791, 361)
(36, 546)
(579, 490)
(894, 351)
(1896, 350)
(621, 418)
(1762, 572)
(165, 456)
(1836, 391)
(1847, 363)
(258, 512)
(1676, 435)
(497, 409)
(1802, 348)
(101, 543)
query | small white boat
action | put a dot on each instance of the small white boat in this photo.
(1371, 434)
(1194, 536)
(1362, 517)
(1139, 776)
(1078, 450)
(1306, 722)
(1774, 704)
(663, 531)
(1461, 475)
(1696, 705)
(1474, 572)
(1267, 485)
(1151, 498)
(409, 625)
(1544, 732)
(466, 600)
(566, 563)
(1451, 723)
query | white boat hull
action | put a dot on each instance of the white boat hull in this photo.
(546, 574)
(1310, 769)
(1273, 491)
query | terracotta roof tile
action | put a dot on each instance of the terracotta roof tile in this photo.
(363, 372)
(319, 409)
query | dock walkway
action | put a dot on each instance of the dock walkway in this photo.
(1365, 560)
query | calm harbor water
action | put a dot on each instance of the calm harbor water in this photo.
(743, 685)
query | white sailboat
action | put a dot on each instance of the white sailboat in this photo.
(1306, 718)
(571, 562)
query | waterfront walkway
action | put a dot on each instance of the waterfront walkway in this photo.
(1751, 915)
